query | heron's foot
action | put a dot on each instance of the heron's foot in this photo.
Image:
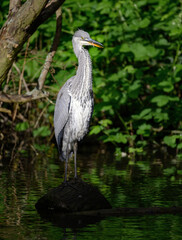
(71, 183)
(76, 178)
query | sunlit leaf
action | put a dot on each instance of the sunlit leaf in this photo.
(170, 140)
(95, 129)
(119, 138)
(161, 100)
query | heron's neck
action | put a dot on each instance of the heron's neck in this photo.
(82, 82)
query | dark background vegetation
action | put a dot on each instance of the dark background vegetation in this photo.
(137, 91)
(136, 77)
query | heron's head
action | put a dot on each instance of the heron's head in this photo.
(82, 38)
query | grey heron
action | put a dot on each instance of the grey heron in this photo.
(74, 103)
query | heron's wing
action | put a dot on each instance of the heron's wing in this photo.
(61, 114)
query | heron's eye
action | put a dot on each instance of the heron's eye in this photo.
(82, 38)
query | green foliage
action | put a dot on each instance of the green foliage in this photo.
(22, 126)
(174, 141)
(42, 131)
(136, 77)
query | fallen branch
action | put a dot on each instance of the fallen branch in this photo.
(84, 218)
(130, 211)
(8, 98)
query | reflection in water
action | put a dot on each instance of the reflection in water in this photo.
(141, 183)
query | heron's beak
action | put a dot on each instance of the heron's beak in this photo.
(94, 43)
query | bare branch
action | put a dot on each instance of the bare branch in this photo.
(52, 52)
(21, 98)
(50, 9)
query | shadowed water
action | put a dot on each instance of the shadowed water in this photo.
(143, 181)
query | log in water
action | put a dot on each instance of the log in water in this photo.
(73, 196)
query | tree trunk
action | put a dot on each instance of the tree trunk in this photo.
(14, 33)
(19, 26)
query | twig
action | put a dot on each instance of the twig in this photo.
(23, 79)
(52, 52)
(20, 82)
(7, 81)
(23, 68)
(33, 148)
(50, 101)
(9, 112)
(13, 150)
(5, 110)
(40, 115)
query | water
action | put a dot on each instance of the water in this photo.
(143, 182)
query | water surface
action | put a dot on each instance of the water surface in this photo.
(142, 181)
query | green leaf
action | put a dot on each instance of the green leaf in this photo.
(130, 69)
(144, 130)
(53, 166)
(145, 114)
(167, 86)
(160, 116)
(118, 138)
(170, 140)
(51, 108)
(105, 122)
(179, 146)
(160, 100)
(22, 126)
(144, 23)
(139, 51)
(169, 171)
(96, 129)
(152, 52)
(134, 89)
(179, 172)
(42, 131)
(41, 148)
(94, 52)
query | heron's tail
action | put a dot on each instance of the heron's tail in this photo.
(63, 153)
(62, 156)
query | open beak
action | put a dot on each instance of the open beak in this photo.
(94, 43)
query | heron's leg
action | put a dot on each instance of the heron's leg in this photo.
(75, 154)
(66, 167)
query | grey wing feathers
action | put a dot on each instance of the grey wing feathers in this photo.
(61, 114)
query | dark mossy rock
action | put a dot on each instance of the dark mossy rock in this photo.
(72, 196)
